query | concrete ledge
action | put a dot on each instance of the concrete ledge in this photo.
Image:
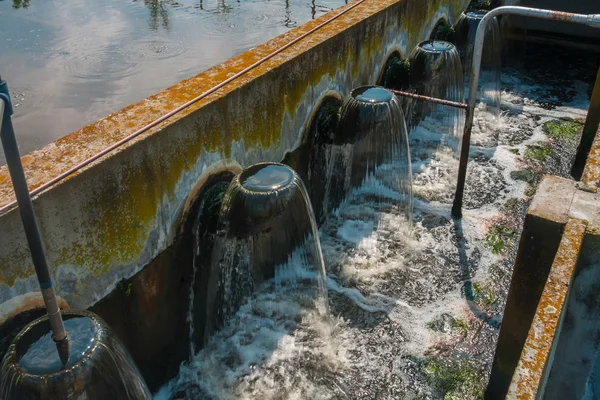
(111, 219)
(591, 173)
(530, 372)
(552, 258)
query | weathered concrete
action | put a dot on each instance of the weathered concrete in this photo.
(542, 303)
(537, 351)
(109, 220)
(537, 248)
(591, 174)
(576, 346)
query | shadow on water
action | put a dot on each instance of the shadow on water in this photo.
(461, 245)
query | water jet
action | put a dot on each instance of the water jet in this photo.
(436, 71)
(489, 81)
(99, 366)
(372, 122)
(266, 230)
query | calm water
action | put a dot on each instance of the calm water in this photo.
(70, 63)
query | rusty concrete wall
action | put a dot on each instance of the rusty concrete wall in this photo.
(111, 219)
(548, 344)
(577, 344)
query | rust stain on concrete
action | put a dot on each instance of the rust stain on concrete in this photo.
(114, 216)
(591, 174)
(529, 374)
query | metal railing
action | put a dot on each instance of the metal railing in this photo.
(590, 20)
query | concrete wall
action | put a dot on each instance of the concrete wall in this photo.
(111, 219)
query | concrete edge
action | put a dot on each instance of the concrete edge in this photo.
(25, 302)
(590, 179)
(533, 366)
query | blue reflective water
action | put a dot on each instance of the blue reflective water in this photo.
(375, 95)
(267, 178)
(69, 63)
(42, 357)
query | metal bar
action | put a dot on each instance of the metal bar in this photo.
(182, 107)
(36, 248)
(429, 99)
(591, 20)
(589, 132)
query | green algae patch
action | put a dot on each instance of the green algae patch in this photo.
(563, 129)
(484, 294)
(456, 379)
(538, 152)
(525, 175)
(499, 238)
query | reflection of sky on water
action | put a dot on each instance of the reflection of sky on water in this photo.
(69, 63)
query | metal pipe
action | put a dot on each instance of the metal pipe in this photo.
(590, 20)
(182, 107)
(429, 99)
(17, 175)
(589, 132)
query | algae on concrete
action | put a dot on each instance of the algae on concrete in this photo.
(499, 238)
(538, 152)
(456, 379)
(563, 129)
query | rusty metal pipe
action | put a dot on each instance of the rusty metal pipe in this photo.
(590, 20)
(429, 99)
(177, 110)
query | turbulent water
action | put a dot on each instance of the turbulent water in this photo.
(99, 366)
(415, 314)
(489, 75)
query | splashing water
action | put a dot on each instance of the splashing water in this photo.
(488, 92)
(398, 308)
(266, 231)
(436, 71)
(377, 158)
(99, 367)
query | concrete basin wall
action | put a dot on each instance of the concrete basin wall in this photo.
(111, 219)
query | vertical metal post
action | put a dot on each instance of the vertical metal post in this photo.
(590, 20)
(589, 132)
(17, 175)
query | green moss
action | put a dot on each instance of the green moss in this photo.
(538, 152)
(460, 325)
(456, 379)
(499, 237)
(512, 206)
(476, 5)
(530, 191)
(484, 294)
(445, 32)
(525, 175)
(515, 151)
(563, 129)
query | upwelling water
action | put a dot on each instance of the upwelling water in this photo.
(69, 64)
(415, 316)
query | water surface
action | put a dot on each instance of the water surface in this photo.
(71, 63)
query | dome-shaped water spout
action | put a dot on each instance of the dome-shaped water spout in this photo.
(372, 133)
(489, 76)
(99, 366)
(266, 231)
(436, 71)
